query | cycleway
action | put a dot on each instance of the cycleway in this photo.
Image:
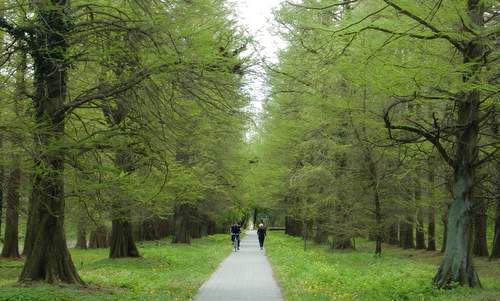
(244, 275)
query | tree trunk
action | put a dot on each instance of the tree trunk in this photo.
(431, 231)
(456, 266)
(392, 234)
(49, 259)
(81, 235)
(320, 235)
(495, 251)
(379, 226)
(480, 247)
(420, 235)
(11, 242)
(182, 220)
(2, 176)
(99, 238)
(444, 220)
(293, 226)
(406, 234)
(121, 241)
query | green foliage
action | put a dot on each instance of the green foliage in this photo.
(165, 272)
(323, 274)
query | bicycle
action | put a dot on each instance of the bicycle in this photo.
(236, 241)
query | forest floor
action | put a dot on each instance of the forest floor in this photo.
(322, 274)
(165, 272)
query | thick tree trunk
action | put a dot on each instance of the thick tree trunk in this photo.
(2, 176)
(456, 266)
(11, 242)
(420, 234)
(182, 223)
(121, 242)
(99, 238)
(480, 247)
(431, 231)
(48, 258)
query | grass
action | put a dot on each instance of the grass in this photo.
(321, 274)
(165, 272)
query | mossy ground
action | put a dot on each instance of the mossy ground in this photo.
(165, 272)
(322, 274)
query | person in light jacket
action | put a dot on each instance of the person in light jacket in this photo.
(261, 232)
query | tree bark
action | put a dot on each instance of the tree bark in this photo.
(2, 176)
(420, 234)
(480, 247)
(391, 236)
(406, 240)
(182, 220)
(99, 238)
(495, 250)
(81, 235)
(11, 242)
(48, 258)
(121, 241)
(457, 264)
(431, 231)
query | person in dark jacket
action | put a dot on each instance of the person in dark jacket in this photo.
(261, 232)
(235, 233)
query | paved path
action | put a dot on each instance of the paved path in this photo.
(244, 275)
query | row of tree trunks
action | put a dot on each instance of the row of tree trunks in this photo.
(99, 238)
(391, 234)
(293, 226)
(183, 216)
(152, 228)
(81, 234)
(406, 238)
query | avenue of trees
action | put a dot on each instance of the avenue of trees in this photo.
(127, 120)
(383, 123)
(119, 121)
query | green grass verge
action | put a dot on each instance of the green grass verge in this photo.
(321, 274)
(165, 272)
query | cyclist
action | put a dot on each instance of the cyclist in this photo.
(235, 233)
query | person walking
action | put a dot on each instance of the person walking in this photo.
(261, 232)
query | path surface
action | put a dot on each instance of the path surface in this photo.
(244, 275)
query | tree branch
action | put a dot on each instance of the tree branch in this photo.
(434, 139)
(426, 24)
